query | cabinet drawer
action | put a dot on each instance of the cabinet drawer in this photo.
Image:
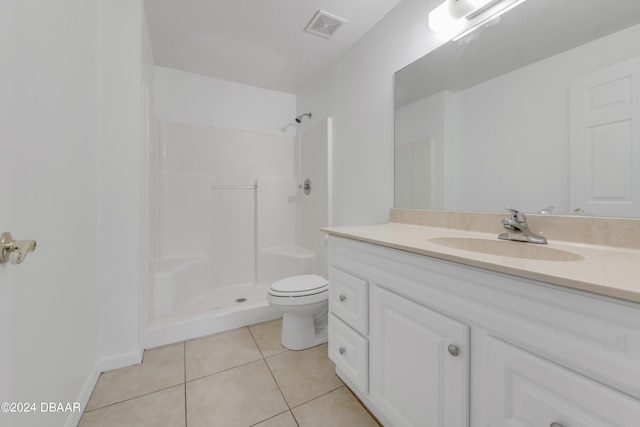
(350, 352)
(522, 389)
(348, 299)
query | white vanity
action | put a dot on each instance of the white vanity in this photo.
(431, 335)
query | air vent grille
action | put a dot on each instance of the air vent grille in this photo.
(324, 24)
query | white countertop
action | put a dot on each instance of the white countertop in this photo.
(605, 270)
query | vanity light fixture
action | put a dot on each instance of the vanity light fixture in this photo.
(454, 15)
(489, 17)
(440, 20)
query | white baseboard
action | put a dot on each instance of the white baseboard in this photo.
(102, 365)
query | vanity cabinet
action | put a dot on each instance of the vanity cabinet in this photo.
(446, 345)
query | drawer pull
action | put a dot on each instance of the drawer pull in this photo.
(343, 350)
(453, 350)
(555, 425)
(342, 297)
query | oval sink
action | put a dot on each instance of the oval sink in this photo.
(507, 248)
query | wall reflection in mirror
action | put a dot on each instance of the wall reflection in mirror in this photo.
(538, 108)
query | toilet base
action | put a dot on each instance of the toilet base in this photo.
(300, 332)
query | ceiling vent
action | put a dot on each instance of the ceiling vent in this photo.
(324, 24)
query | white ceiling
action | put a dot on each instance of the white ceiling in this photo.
(256, 42)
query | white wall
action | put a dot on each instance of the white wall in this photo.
(119, 174)
(147, 171)
(357, 92)
(195, 99)
(315, 146)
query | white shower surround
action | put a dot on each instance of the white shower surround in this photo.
(220, 238)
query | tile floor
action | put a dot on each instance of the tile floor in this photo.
(238, 378)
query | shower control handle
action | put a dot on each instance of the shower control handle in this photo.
(306, 187)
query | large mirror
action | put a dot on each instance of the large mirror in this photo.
(538, 109)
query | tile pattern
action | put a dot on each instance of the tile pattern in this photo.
(238, 378)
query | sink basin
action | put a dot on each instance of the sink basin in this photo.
(507, 248)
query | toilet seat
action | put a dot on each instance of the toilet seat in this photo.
(299, 286)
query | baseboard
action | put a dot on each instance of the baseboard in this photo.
(102, 365)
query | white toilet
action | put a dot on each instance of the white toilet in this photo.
(304, 300)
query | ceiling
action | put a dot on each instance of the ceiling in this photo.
(256, 42)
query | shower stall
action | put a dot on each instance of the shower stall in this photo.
(230, 220)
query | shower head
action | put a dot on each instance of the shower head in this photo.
(299, 118)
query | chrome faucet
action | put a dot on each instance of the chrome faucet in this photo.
(518, 229)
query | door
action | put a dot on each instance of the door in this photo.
(413, 170)
(6, 162)
(605, 141)
(419, 363)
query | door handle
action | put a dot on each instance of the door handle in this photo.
(14, 251)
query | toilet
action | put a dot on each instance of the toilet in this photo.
(304, 302)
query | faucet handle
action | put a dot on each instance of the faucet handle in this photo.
(548, 210)
(516, 215)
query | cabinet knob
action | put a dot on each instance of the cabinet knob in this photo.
(555, 425)
(343, 350)
(342, 297)
(453, 350)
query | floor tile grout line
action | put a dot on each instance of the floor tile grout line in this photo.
(256, 342)
(264, 359)
(281, 392)
(277, 385)
(272, 417)
(317, 397)
(224, 370)
(133, 398)
(274, 379)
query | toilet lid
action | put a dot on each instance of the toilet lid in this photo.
(306, 284)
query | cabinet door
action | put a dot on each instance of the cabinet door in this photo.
(520, 389)
(419, 363)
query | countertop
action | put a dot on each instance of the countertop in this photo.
(605, 270)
